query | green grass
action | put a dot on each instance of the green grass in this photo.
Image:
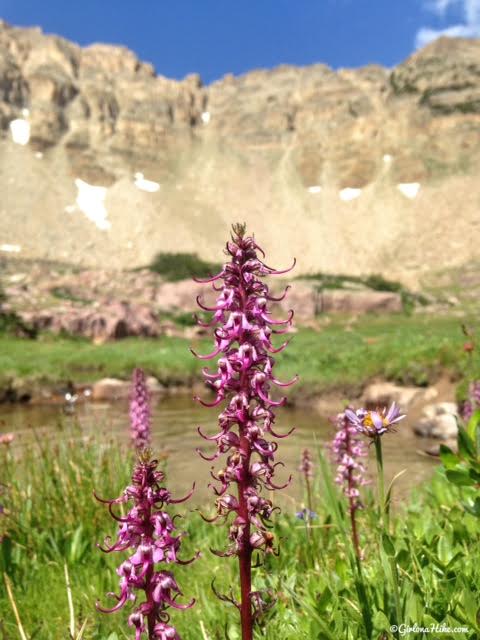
(52, 520)
(343, 355)
(179, 266)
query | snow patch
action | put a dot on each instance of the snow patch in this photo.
(91, 201)
(349, 193)
(145, 185)
(316, 188)
(20, 131)
(409, 189)
(10, 248)
(206, 117)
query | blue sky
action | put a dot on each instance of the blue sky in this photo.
(215, 37)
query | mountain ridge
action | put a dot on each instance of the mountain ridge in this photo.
(357, 171)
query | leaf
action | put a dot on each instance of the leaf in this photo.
(388, 545)
(6, 554)
(404, 558)
(474, 475)
(390, 488)
(460, 477)
(444, 549)
(466, 446)
(76, 545)
(473, 428)
(341, 568)
(471, 606)
(474, 508)
(380, 621)
(414, 608)
(449, 459)
(323, 600)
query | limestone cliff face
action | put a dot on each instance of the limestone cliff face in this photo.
(102, 162)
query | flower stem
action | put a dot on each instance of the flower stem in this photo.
(245, 554)
(396, 593)
(381, 482)
(385, 522)
(353, 520)
(363, 598)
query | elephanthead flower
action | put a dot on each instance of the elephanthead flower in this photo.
(472, 403)
(306, 464)
(348, 449)
(147, 533)
(140, 430)
(374, 423)
(244, 378)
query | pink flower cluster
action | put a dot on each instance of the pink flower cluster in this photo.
(348, 449)
(306, 464)
(472, 403)
(147, 531)
(140, 429)
(244, 379)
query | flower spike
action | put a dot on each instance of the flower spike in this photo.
(147, 531)
(243, 327)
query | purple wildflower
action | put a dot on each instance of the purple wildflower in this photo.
(348, 449)
(306, 464)
(243, 380)
(475, 392)
(374, 423)
(306, 468)
(148, 533)
(139, 411)
(306, 514)
(472, 403)
(467, 410)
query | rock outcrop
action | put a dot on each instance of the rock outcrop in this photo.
(111, 320)
(438, 420)
(103, 162)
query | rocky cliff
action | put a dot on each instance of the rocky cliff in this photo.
(103, 162)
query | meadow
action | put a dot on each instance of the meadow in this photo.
(51, 523)
(343, 355)
(344, 563)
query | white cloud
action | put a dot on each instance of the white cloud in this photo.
(469, 28)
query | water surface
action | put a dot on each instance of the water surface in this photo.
(175, 422)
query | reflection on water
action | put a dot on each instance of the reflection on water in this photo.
(175, 422)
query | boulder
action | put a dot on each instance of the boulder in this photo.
(110, 389)
(381, 394)
(109, 320)
(438, 420)
(345, 301)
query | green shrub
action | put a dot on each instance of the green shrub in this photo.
(179, 266)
